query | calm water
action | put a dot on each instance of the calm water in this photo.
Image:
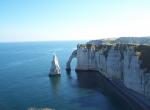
(24, 80)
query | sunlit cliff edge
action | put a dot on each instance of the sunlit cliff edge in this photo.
(124, 59)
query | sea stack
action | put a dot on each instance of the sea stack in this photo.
(55, 68)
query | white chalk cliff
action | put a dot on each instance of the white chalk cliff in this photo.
(55, 68)
(125, 62)
(73, 55)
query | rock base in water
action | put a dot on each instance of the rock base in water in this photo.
(54, 75)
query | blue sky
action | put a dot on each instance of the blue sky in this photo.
(40, 20)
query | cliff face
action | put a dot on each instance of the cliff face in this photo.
(128, 63)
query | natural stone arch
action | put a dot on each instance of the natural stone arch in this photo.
(73, 55)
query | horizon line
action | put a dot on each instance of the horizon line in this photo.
(64, 40)
(28, 41)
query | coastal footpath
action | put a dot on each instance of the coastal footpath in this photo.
(127, 63)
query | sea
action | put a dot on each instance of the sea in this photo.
(25, 84)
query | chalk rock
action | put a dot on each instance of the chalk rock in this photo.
(127, 63)
(55, 68)
(73, 55)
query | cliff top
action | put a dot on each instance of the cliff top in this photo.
(141, 51)
(122, 40)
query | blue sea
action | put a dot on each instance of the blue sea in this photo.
(24, 81)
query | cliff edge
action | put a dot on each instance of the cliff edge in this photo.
(124, 62)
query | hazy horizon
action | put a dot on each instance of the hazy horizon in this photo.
(28, 41)
(57, 20)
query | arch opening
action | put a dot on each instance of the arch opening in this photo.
(73, 55)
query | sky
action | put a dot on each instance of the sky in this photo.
(44, 20)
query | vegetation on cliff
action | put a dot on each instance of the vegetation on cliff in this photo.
(141, 51)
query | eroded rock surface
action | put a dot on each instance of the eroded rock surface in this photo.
(128, 63)
(55, 68)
